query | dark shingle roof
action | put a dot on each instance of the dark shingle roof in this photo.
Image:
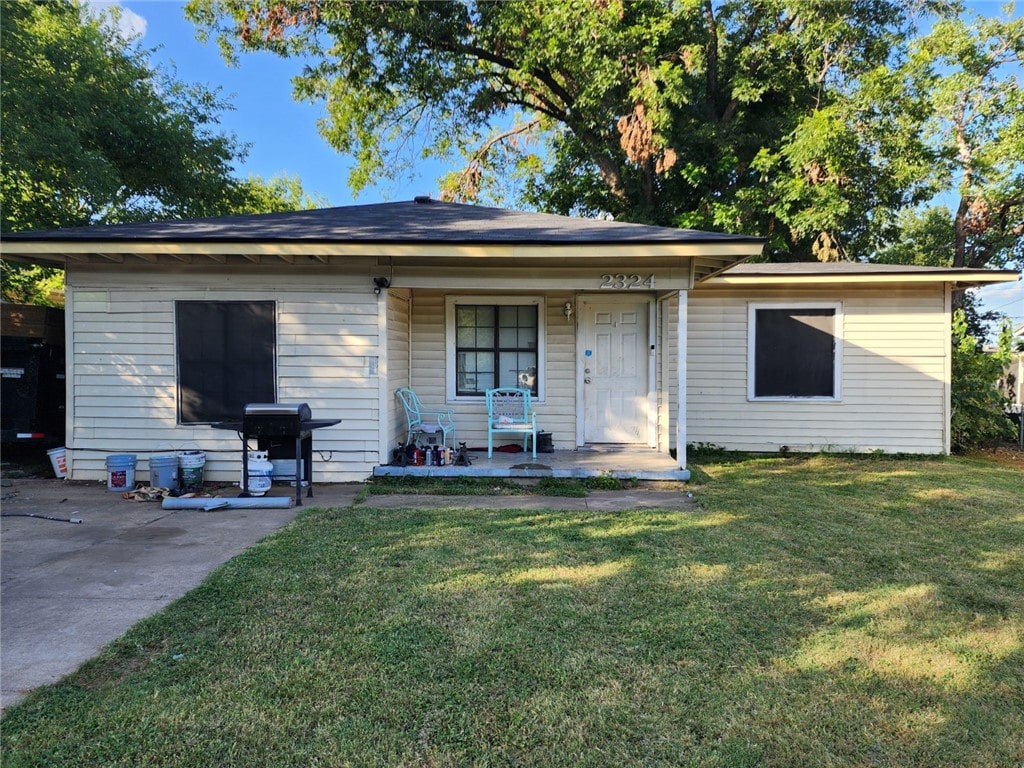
(406, 222)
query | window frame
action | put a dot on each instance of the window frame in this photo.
(837, 346)
(451, 339)
(179, 415)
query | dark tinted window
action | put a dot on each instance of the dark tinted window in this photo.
(794, 353)
(226, 353)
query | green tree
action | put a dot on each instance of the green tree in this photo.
(94, 133)
(963, 79)
(278, 193)
(978, 407)
(728, 115)
(977, 129)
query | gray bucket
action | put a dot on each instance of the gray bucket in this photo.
(163, 471)
(121, 472)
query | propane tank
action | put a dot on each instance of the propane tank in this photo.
(261, 473)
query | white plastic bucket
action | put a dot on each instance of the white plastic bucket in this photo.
(59, 460)
(190, 469)
(121, 472)
(163, 471)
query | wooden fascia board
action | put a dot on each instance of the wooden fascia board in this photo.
(966, 280)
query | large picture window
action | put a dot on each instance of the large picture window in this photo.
(226, 358)
(794, 351)
(494, 342)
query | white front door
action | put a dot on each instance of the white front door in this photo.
(614, 355)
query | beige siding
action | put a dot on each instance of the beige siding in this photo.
(556, 413)
(124, 370)
(895, 358)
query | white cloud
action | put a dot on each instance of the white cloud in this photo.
(128, 24)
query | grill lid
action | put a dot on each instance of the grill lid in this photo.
(296, 411)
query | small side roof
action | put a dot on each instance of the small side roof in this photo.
(849, 272)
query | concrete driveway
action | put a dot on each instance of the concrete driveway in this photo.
(66, 590)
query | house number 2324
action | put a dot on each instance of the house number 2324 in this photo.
(626, 282)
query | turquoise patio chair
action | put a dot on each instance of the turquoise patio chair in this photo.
(510, 409)
(420, 421)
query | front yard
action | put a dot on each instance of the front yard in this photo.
(807, 612)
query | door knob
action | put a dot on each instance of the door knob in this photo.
(586, 380)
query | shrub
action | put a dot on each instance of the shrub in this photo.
(979, 408)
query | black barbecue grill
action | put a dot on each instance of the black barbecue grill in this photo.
(285, 431)
(276, 419)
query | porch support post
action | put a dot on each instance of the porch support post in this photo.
(947, 379)
(681, 382)
(383, 381)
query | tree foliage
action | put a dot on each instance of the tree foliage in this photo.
(94, 133)
(965, 73)
(978, 407)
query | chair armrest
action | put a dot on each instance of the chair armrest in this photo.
(439, 416)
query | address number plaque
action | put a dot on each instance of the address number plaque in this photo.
(620, 282)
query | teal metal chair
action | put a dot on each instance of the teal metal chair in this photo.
(510, 409)
(420, 421)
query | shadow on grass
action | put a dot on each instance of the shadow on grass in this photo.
(813, 611)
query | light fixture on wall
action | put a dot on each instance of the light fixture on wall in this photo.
(379, 284)
(567, 310)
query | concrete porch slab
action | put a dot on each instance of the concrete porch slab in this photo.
(625, 462)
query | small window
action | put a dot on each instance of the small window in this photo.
(494, 342)
(226, 358)
(794, 352)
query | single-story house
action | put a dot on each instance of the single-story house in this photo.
(626, 334)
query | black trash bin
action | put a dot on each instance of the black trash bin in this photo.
(545, 444)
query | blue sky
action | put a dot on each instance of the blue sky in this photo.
(283, 134)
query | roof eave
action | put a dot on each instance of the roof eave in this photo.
(957, 278)
(63, 252)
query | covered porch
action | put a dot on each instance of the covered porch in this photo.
(624, 462)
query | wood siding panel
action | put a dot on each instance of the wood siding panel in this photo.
(123, 364)
(894, 359)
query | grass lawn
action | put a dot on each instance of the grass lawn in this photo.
(807, 612)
